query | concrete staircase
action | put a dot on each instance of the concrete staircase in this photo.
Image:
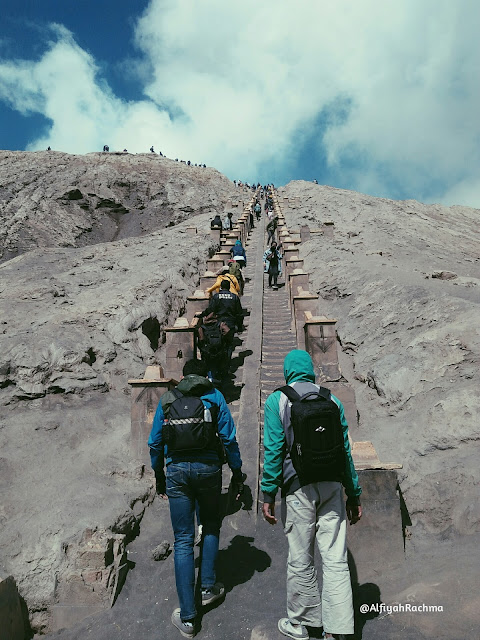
(277, 340)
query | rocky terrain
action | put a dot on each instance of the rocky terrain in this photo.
(97, 261)
(76, 323)
(402, 279)
(53, 199)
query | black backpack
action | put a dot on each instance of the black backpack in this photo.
(212, 344)
(318, 451)
(189, 425)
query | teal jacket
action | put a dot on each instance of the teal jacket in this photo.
(278, 470)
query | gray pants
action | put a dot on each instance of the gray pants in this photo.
(317, 511)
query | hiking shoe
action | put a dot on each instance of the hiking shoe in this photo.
(212, 594)
(292, 629)
(187, 629)
(198, 538)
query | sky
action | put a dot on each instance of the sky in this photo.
(377, 96)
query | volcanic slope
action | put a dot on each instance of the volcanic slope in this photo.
(402, 279)
(76, 322)
(50, 199)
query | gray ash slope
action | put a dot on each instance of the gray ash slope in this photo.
(76, 322)
(402, 279)
(53, 199)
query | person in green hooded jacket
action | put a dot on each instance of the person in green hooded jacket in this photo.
(316, 509)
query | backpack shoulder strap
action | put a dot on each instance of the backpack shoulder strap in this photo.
(169, 398)
(291, 394)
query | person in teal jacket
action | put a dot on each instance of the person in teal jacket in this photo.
(309, 511)
(195, 479)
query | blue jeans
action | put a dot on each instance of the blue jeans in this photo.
(187, 483)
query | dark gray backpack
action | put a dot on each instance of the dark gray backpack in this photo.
(189, 425)
(318, 451)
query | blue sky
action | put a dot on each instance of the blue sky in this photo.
(371, 95)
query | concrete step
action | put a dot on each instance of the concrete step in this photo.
(270, 310)
(272, 380)
(277, 353)
(276, 326)
(273, 314)
(282, 333)
(277, 356)
(270, 373)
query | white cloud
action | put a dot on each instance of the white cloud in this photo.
(66, 88)
(466, 192)
(248, 76)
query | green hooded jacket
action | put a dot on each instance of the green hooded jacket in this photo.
(277, 467)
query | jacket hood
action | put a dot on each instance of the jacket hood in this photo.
(194, 385)
(297, 366)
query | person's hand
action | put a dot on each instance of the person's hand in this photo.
(268, 511)
(354, 512)
(238, 486)
(161, 488)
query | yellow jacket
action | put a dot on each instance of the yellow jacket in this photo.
(234, 286)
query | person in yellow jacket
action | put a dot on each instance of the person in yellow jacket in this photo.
(224, 275)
